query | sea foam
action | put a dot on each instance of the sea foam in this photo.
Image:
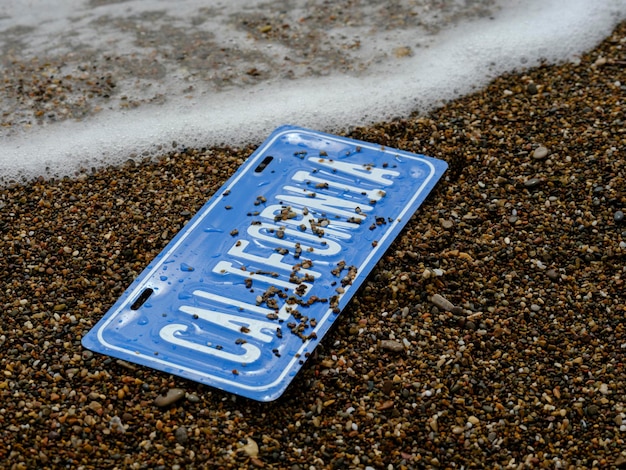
(439, 67)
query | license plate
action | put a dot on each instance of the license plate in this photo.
(245, 291)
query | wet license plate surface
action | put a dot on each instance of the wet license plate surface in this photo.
(252, 283)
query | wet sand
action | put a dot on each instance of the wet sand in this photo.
(525, 235)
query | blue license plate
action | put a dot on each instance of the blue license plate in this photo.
(245, 291)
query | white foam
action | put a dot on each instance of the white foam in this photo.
(457, 62)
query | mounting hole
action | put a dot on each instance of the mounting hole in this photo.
(141, 299)
(266, 161)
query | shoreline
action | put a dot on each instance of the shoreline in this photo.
(527, 228)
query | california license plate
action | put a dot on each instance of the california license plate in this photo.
(246, 290)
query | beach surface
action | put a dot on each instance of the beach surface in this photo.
(525, 235)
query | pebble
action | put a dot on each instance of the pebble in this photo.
(387, 387)
(532, 88)
(403, 51)
(447, 224)
(181, 435)
(251, 448)
(442, 303)
(434, 424)
(115, 425)
(170, 397)
(618, 216)
(540, 153)
(532, 182)
(391, 345)
(192, 397)
(552, 274)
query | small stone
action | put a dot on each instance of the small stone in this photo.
(592, 410)
(540, 153)
(600, 61)
(391, 345)
(402, 51)
(251, 448)
(256, 462)
(327, 363)
(442, 303)
(532, 182)
(193, 398)
(434, 425)
(172, 396)
(532, 88)
(385, 405)
(115, 425)
(535, 307)
(552, 274)
(474, 420)
(447, 224)
(181, 435)
(95, 406)
(125, 364)
(457, 430)
(618, 216)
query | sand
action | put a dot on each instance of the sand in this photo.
(525, 236)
